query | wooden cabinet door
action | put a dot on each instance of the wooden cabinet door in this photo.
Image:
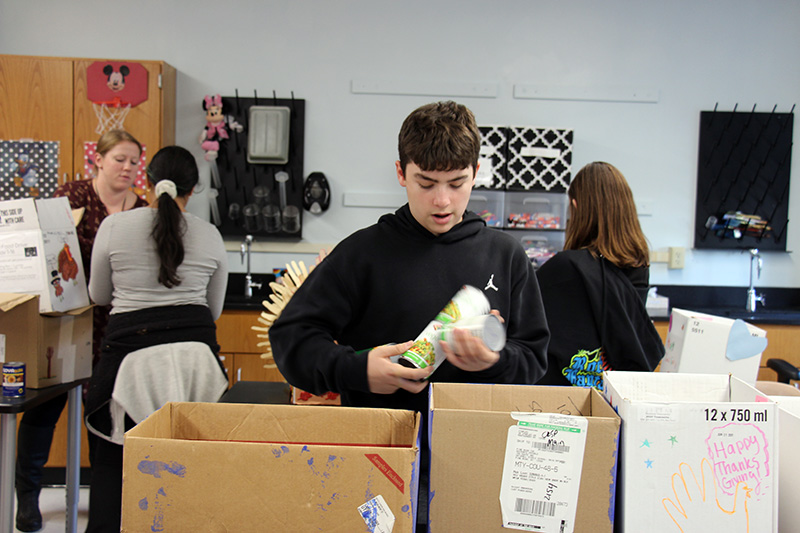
(235, 333)
(36, 103)
(250, 367)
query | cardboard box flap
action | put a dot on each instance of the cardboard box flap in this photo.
(670, 387)
(71, 312)
(713, 318)
(506, 398)
(285, 424)
(9, 300)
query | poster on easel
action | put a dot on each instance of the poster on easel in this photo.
(28, 169)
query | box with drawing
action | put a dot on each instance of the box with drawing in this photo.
(698, 452)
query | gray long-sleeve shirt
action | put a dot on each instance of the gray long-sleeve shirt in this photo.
(125, 265)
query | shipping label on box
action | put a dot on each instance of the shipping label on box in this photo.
(240, 467)
(542, 472)
(698, 343)
(477, 482)
(698, 452)
(39, 253)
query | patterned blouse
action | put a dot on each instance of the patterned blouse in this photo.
(82, 194)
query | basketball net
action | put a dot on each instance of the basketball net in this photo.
(110, 115)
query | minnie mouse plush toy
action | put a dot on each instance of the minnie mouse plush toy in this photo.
(217, 126)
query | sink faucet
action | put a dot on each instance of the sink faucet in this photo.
(752, 296)
(249, 284)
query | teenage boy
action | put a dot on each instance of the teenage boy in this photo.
(383, 284)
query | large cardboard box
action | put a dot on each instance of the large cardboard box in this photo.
(55, 347)
(39, 253)
(240, 467)
(788, 463)
(698, 343)
(470, 426)
(698, 452)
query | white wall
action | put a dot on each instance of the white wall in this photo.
(695, 53)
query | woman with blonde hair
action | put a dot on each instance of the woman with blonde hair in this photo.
(594, 291)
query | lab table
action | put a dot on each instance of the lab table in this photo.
(9, 408)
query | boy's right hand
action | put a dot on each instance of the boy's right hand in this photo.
(386, 377)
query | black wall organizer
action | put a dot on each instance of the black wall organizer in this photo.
(743, 175)
(239, 179)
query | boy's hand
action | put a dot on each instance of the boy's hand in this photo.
(470, 353)
(386, 377)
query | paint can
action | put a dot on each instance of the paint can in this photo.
(488, 328)
(13, 380)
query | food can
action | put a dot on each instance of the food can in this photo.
(13, 380)
(425, 352)
(488, 328)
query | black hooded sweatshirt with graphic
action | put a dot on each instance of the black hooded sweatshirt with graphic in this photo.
(597, 319)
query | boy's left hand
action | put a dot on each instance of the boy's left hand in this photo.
(470, 353)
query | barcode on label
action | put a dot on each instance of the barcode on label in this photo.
(551, 447)
(534, 507)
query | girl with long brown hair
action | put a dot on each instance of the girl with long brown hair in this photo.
(594, 291)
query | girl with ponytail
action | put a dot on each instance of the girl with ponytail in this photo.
(164, 272)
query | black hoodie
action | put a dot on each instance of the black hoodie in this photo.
(383, 284)
(597, 319)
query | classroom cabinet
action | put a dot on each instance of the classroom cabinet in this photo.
(239, 348)
(47, 99)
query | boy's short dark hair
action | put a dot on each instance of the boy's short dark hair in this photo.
(440, 136)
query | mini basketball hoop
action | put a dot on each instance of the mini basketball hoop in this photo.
(110, 115)
(113, 88)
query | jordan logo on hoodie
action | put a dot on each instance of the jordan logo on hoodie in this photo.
(490, 284)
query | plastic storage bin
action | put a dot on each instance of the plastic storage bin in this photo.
(541, 245)
(536, 210)
(488, 205)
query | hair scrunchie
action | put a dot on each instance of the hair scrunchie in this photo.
(166, 186)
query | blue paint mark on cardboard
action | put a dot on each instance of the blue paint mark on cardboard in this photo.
(143, 504)
(155, 468)
(158, 517)
(278, 452)
(612, 488)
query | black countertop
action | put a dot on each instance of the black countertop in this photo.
(782, 304)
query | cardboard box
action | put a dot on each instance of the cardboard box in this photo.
(698, 452)
(469, 433)
(788, 462)
(698, 343)
(39, 253)
(240, 467)
(55, 347)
